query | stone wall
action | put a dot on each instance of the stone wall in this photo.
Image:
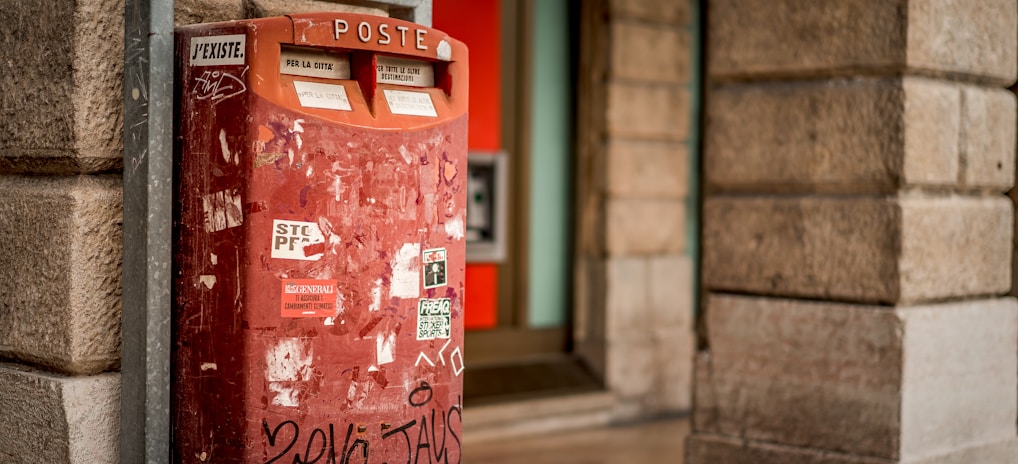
(634, 270)
(856, 242)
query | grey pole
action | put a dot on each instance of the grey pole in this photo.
(148, 154)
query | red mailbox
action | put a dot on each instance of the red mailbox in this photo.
(319, 234)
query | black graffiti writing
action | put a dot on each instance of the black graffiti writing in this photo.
(422, 444)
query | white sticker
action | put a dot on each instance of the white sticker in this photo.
(218, 50)
(410, 103)
(401, 71)
(326, 96)
(434, 268)
(310, 63)
(434, 318)
(297, 240)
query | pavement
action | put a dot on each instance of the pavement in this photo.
(658, 441)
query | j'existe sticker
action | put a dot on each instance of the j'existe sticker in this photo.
(434, 268)
(434, 318)
(308, 298)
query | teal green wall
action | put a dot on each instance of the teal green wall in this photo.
(550, 167)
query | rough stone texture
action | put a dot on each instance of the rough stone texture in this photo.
(675, 351)
(657, 112)
(48, 418)
(988, 146)
(803, 374)
(646, 227)
(978, 40)
(964, 37)
(670, 278)
(712, 449)
(60, 282)
(859, 135)
(814, 37)
(955, 246)
(905, 383)
(960, 376)
(891, 250)
(650, 52)
(61, 103)
(642, 169)
(627, 304)
(836, 248)
(653, 10)
(207, 11)
(267, 8)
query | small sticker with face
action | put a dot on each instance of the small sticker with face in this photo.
(434, 268)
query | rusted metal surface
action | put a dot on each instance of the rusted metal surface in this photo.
(319, 252)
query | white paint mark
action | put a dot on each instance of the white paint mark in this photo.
(209, 367)
(405, 154)
(289, 360)
(311, 171)
(222, 210)
(289, 155)
(351, 394)
(424, 357)
(376, 296)
(330, 321)
(372, 368)
(286, 395)
(441, 357)
(455, 228)
(208, 280)
(457, 354)
(385, 347)
(227, 156)
(214, 258)
(406, 281)
(444, 51)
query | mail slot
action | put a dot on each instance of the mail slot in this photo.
(319, 241)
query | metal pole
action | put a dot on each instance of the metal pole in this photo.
(148, 150)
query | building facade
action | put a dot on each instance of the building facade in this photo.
(784, 217)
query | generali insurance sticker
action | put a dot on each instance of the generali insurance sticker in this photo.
(308, 298)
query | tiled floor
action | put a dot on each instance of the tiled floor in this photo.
(651, 442)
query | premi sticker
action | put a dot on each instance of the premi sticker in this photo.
(297, 240)
(434, 268)
(325, 96)
(410, 103)
(308, 298)
(218, 50)
(434, 318)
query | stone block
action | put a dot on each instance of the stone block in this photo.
(964, 37)
(842, 37)
(61, 103)
(643, 227)
(670, 282)
(631, 367)
(675, 350)
(627, 306)
(988, 137)
(207, 11)
(714, 449)
(954, 246)
(653, 10)
(48, 418)
(60, 285)
(885, 250)
(845, 136)
(268, 8)
(830, 248)
(648, 111)
(902, 383)
(650, 52)
(647, 169)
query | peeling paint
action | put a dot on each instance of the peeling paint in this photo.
(207, 366)
(222, 210)
(405, 272)
(386, 348)
(208, 280)
(286, 395)
(289, 360)
(376, 296)
(455, 228)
